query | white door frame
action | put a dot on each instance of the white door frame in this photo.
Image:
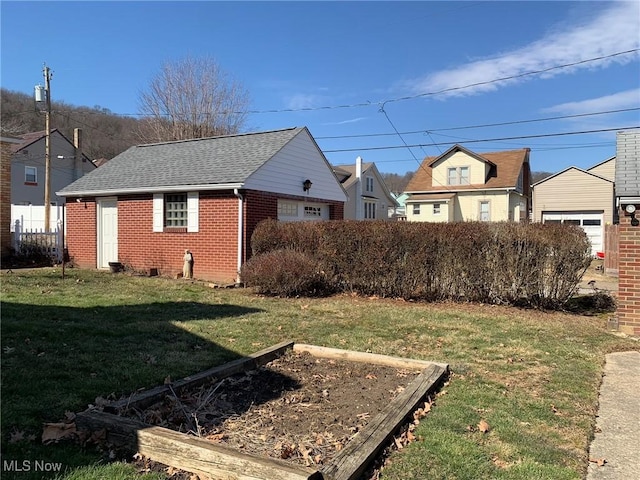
(100, 204)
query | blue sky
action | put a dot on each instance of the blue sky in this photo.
(367, 78)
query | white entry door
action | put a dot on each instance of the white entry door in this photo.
(107, 231)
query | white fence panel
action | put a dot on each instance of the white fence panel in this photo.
(50, 243)
(31, 217)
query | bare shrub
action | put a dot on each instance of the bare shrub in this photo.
(284, 273)
(500, 263)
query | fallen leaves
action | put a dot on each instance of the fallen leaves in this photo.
(483, 426)
(54, 432)
(304, 411)
(17, 436)
(598, 461)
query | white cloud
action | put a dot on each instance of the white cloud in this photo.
(612, 30)
(343, 122)
(616, 101)
(299, 101)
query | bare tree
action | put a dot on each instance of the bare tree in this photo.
(192, 98)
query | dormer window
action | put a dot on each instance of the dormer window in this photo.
(458, 176)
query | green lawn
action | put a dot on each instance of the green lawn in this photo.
(532, 376)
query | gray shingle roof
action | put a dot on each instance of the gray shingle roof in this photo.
(229, 159)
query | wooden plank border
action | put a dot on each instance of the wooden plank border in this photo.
(193, 454)
(364, 357)
(149, 397)
(203, 457)
(350, 462)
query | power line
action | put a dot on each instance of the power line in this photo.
(409, 97)
(512, 77)
(499, 124)
(420, 145)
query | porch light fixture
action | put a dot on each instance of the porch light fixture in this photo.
(306, 185)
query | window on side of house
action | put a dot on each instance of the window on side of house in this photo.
(452, 176)
(436, 209)
(369, 210)
(416, 209)
(175, 210)
(458, 176)
(369, 184)
(30, 175)
(463, 172)
(485, 211)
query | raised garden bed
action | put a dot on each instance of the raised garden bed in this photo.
(291, 411)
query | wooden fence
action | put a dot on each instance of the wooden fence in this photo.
(611, 239)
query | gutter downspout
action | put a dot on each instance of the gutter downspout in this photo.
(240, 231)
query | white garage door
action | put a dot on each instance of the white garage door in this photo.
(591, 223)
(292, 211)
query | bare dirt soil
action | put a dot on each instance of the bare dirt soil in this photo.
(298, 407)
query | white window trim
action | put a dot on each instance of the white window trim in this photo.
(439, 209)
(193, 212)
(416, 209)
(488, 202)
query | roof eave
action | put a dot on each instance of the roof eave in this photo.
(461, 190)
(131, 191)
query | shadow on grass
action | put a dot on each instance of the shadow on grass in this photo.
(591, 304)
(57, 359)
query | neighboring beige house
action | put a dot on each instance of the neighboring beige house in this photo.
(369, 197)
(461, 185)
(580, 197)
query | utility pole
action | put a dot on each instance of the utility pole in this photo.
(47, 148)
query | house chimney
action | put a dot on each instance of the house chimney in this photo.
(77, 155)
(359, 188)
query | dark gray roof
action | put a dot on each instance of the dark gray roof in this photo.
(628, 163)
(224, 160)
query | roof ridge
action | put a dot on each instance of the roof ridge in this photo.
(185, 140)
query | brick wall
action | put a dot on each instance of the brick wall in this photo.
(5, 198)
(628, 277)
(81, 232)
(214, 246)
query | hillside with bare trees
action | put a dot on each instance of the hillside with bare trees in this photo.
(105, 134)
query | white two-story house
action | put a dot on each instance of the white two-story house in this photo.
(369, 196)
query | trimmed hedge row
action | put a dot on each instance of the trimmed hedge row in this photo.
(535, 264)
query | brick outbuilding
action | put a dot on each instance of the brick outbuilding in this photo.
(148, 205)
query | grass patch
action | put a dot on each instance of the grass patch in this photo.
(532, 376)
